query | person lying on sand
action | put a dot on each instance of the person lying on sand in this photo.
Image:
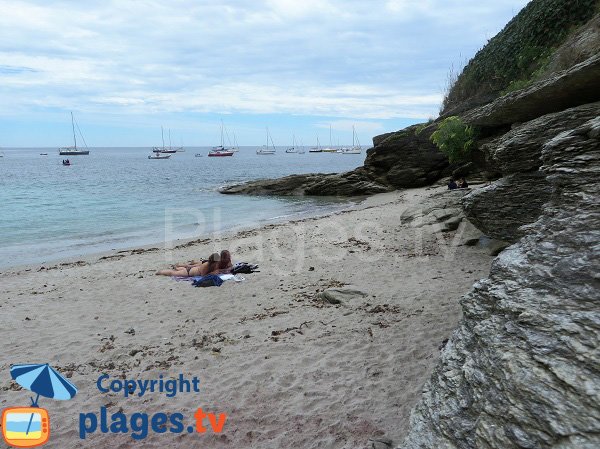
(216, 264)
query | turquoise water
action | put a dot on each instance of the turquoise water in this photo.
(117, 198)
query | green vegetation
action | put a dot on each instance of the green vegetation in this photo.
(454, 139)
(517, 55)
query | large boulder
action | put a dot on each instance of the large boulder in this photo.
(406, 158)
(500, 209)
(523, 369)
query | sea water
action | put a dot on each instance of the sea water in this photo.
(116, 198)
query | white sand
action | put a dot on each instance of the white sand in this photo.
(331, 376)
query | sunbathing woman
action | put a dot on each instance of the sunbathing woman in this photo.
(225, 264)
(209, 267)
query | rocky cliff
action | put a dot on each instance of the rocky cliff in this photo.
(523, 368)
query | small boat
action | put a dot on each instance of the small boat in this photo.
(219, 152)
(66, 163)
(265, 150)
(43, 154)
(73, 151)
(198, 155)
(159, 156)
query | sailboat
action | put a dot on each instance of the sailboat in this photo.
(356, 147)
(330, 148)
(159, 151)
(164, 149)
(265, 148)
(220, 150)
(73, 151)
(316, 149)
(293, 148)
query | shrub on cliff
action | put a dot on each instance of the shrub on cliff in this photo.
(454, 139)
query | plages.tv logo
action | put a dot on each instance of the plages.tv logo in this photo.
(30, 426)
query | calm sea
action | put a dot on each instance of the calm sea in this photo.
(117, 198)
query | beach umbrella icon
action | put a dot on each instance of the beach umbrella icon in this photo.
(44, 381)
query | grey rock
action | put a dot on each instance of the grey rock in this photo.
(469, 235)
(406, 158)
(354, 183)
(492, 246)
(519, 150)
(500, 209)
(523, 368)
(340, 295)
(569, 88)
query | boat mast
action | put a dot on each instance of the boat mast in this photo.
(162, 134)
(73, 126)
(170, 139)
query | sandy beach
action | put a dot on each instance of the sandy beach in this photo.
(288, 369)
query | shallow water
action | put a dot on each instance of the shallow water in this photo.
(116, 198)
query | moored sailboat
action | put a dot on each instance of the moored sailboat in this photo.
(73, 151)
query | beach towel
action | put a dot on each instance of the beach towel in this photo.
(210, 280)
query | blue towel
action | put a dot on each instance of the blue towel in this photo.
(210, 280)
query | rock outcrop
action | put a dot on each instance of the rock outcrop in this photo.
(572, 87)
(403, 159)
(501, 209)
(354, 183)
(523, 369)
(406, 158)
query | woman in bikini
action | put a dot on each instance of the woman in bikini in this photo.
(216, 264)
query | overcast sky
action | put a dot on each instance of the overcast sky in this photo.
(298, 66)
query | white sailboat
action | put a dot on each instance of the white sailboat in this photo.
(330, 148)
(293, 148)
(265, 148)
(73, 151)
(316, 149)
(356, 147)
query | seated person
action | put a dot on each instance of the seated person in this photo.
(462, 183)
(452, 184)
(211, 266)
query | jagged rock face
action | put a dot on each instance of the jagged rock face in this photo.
(354, 183)
(503, 207)
(519, 149)
(573, 87)
(406, 159)
(523, 369)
